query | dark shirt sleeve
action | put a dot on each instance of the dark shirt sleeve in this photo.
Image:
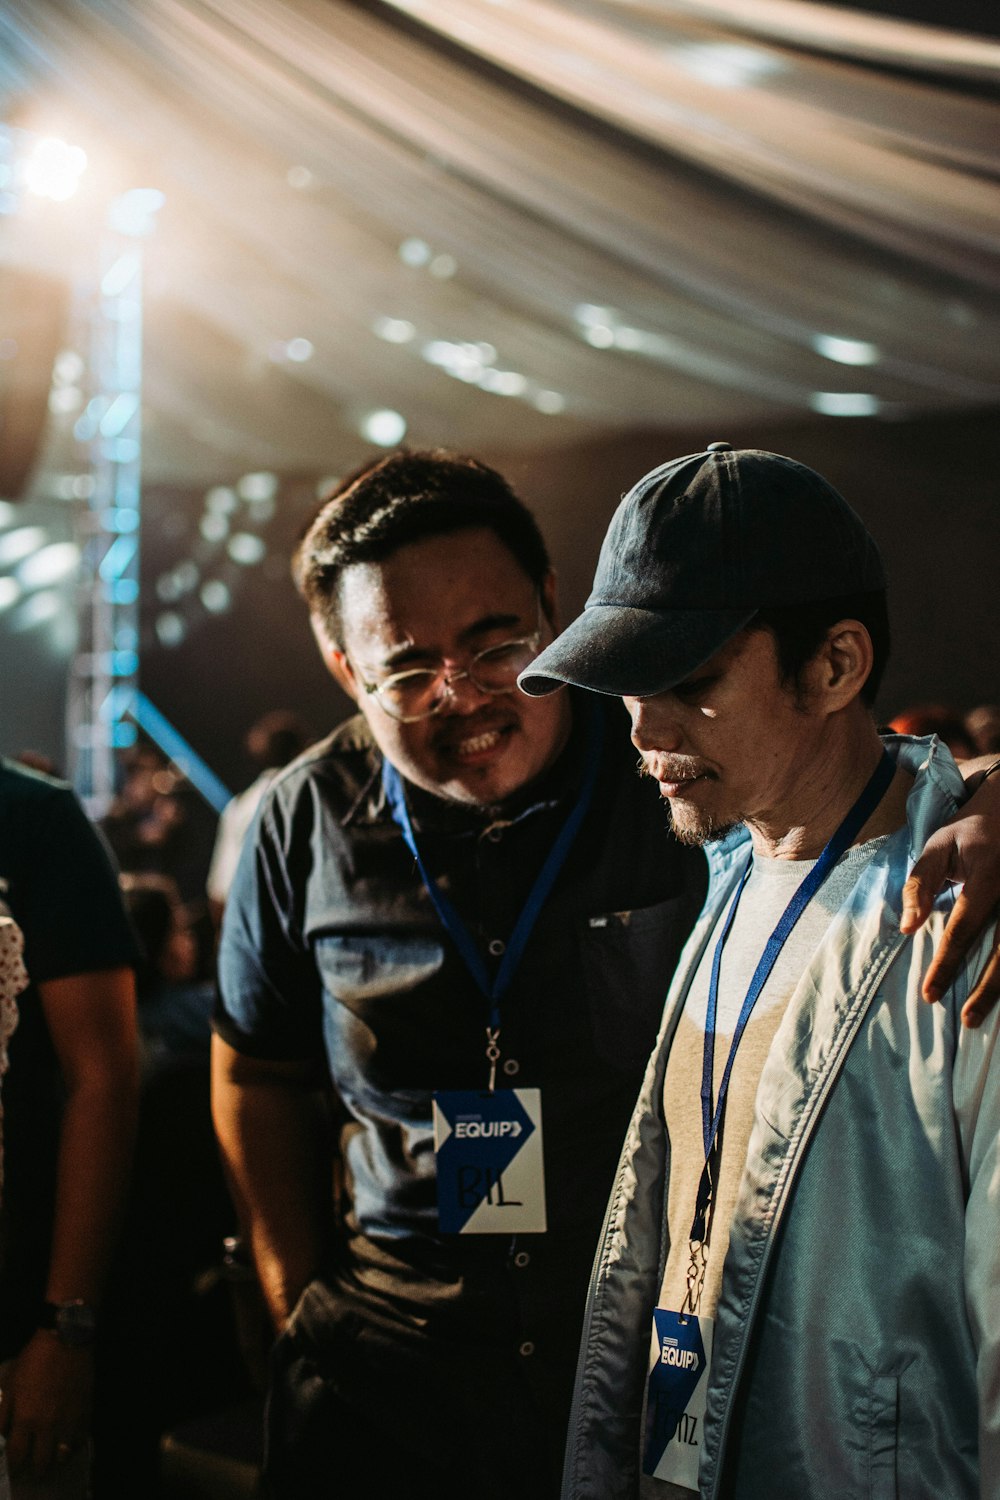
(68, 902)
(270, 998)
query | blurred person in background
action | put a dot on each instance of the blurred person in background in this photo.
(159, 824)
(168, 1351)
(175, 1004)
(144, 817)
(69, 1120)
(271, 742)
(983, 726)
(936, 718)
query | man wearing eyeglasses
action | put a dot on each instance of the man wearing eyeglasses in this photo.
(447, 948)
(461, 911)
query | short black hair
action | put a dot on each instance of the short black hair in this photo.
(800, 629)
(408, 496)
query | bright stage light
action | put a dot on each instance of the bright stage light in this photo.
(214, 527)
(385, 428)
(221, 500)
(134, 212)
(503, 382)
(39, 609)
(845, 403)
(414, 252)
(53, 169)
(258, 488)
(246, 549)
(170, 628)
(49, 565)
(845, 351)
(394, 330)
(21, 543)
(64, 399)
(215, 596)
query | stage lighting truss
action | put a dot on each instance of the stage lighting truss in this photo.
(103, 679)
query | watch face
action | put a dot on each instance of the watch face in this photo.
(76, 1324)
(71, 1322)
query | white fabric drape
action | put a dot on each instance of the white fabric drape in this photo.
(630, 213)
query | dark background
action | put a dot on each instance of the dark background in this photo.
(927, 490)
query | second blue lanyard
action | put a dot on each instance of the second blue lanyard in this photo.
(712, 1118)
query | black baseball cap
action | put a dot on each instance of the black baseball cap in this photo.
(693, 552)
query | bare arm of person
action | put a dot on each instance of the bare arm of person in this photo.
(45, 1411)
(272, 1126)
(965, 850)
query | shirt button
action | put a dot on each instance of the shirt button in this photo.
(497, 947)
(511, 1066)
(522, 1259)
(527, 1348)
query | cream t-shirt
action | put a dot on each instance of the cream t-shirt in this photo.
(771, 885)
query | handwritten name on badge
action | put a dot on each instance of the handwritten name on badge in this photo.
(676, 1397)
(490, 1173)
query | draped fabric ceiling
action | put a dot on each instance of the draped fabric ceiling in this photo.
(521, 222)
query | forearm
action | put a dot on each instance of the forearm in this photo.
(91, 1018)
(93, 1025)
(95, 1156)
(273, 1134)
(966, 852)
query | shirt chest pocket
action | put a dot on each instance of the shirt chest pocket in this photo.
(628, 962)
(382, 1015)
(358, 970)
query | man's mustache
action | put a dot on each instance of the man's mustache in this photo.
(671, 769)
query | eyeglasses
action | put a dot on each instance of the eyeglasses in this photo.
(423, 691)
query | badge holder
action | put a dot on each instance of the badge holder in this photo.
(490, 1168)
(677, 1393)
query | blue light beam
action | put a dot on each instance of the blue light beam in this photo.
(187, 760)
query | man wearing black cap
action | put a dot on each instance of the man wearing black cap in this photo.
(794, 1294)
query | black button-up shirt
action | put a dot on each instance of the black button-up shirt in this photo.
(331, 946)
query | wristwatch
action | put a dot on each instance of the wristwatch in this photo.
(73, 1323)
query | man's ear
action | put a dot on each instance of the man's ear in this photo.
(845, 662)
(336, 662)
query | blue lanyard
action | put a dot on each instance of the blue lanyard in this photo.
(712, 1120)
(495, 988)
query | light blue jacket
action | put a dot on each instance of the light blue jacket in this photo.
(856, 1345)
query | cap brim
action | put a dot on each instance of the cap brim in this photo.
(631, 653)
